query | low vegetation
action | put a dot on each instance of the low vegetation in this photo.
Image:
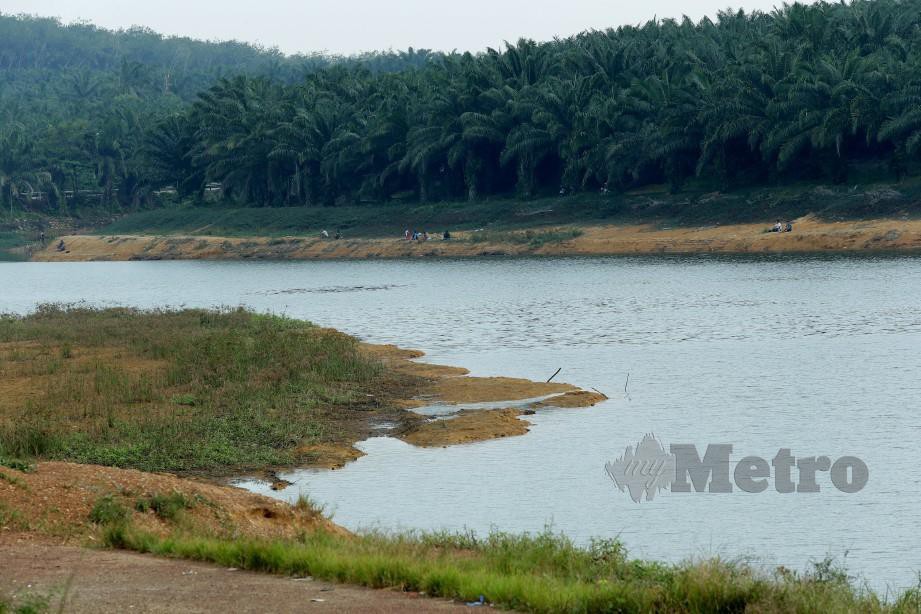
(168, 507)
(108, 510)
(534, 573)
(699, 203)
(188, 390)
(526, 237)
(29, 604)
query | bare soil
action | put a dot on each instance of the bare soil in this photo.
(91, 581)
(55, 499)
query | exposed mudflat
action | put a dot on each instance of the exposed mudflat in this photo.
(453, 392)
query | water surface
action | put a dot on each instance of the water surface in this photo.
(817, 354)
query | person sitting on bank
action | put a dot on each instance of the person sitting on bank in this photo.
(778, 227)
(446, 235)
(788, 227)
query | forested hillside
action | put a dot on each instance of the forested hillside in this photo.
(828, 92)
(77, 104)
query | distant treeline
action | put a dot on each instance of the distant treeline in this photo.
(805, 92)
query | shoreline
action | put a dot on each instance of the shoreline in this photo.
(809, 235)
(453, 390)
(337, 391)
(55, 496)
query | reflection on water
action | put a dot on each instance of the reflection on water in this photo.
(820, 355)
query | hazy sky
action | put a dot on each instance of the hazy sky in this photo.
(348, 26)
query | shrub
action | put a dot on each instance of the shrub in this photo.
(108, 511)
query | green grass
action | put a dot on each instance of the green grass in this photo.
(531, 238)
(17, 464)
(28, 604)
(191, 390)
(533, 573)
(107, 511)
(700, 203)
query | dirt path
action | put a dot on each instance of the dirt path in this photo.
(116, 581)
(809, 235)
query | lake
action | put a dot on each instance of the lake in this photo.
(821, 355)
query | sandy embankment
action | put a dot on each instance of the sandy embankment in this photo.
(809, 235)
(55, 499)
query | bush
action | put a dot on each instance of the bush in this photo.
(108, 511)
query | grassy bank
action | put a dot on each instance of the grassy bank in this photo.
(699, 204)
(185, 390)
(546, 572)
(533, 573)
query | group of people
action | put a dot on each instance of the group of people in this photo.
(422, 236)
(325, 234)
(781, 227)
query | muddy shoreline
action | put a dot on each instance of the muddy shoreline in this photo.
(453, 407)
(809, 235)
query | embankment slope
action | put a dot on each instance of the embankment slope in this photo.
(809, 235)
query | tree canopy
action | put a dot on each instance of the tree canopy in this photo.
(803, 92)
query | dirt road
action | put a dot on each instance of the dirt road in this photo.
(116, 581)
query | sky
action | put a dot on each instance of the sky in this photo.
(352, 26)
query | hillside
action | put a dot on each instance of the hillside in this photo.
(820, 93)
(77, 102)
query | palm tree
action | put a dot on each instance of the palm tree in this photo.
(169, 147)
(236, 119)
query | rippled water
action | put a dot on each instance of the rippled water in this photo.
(820, 355)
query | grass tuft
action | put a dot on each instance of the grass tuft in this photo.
(168, 507)
(107, 511)
(28, 604)
(17, 464)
